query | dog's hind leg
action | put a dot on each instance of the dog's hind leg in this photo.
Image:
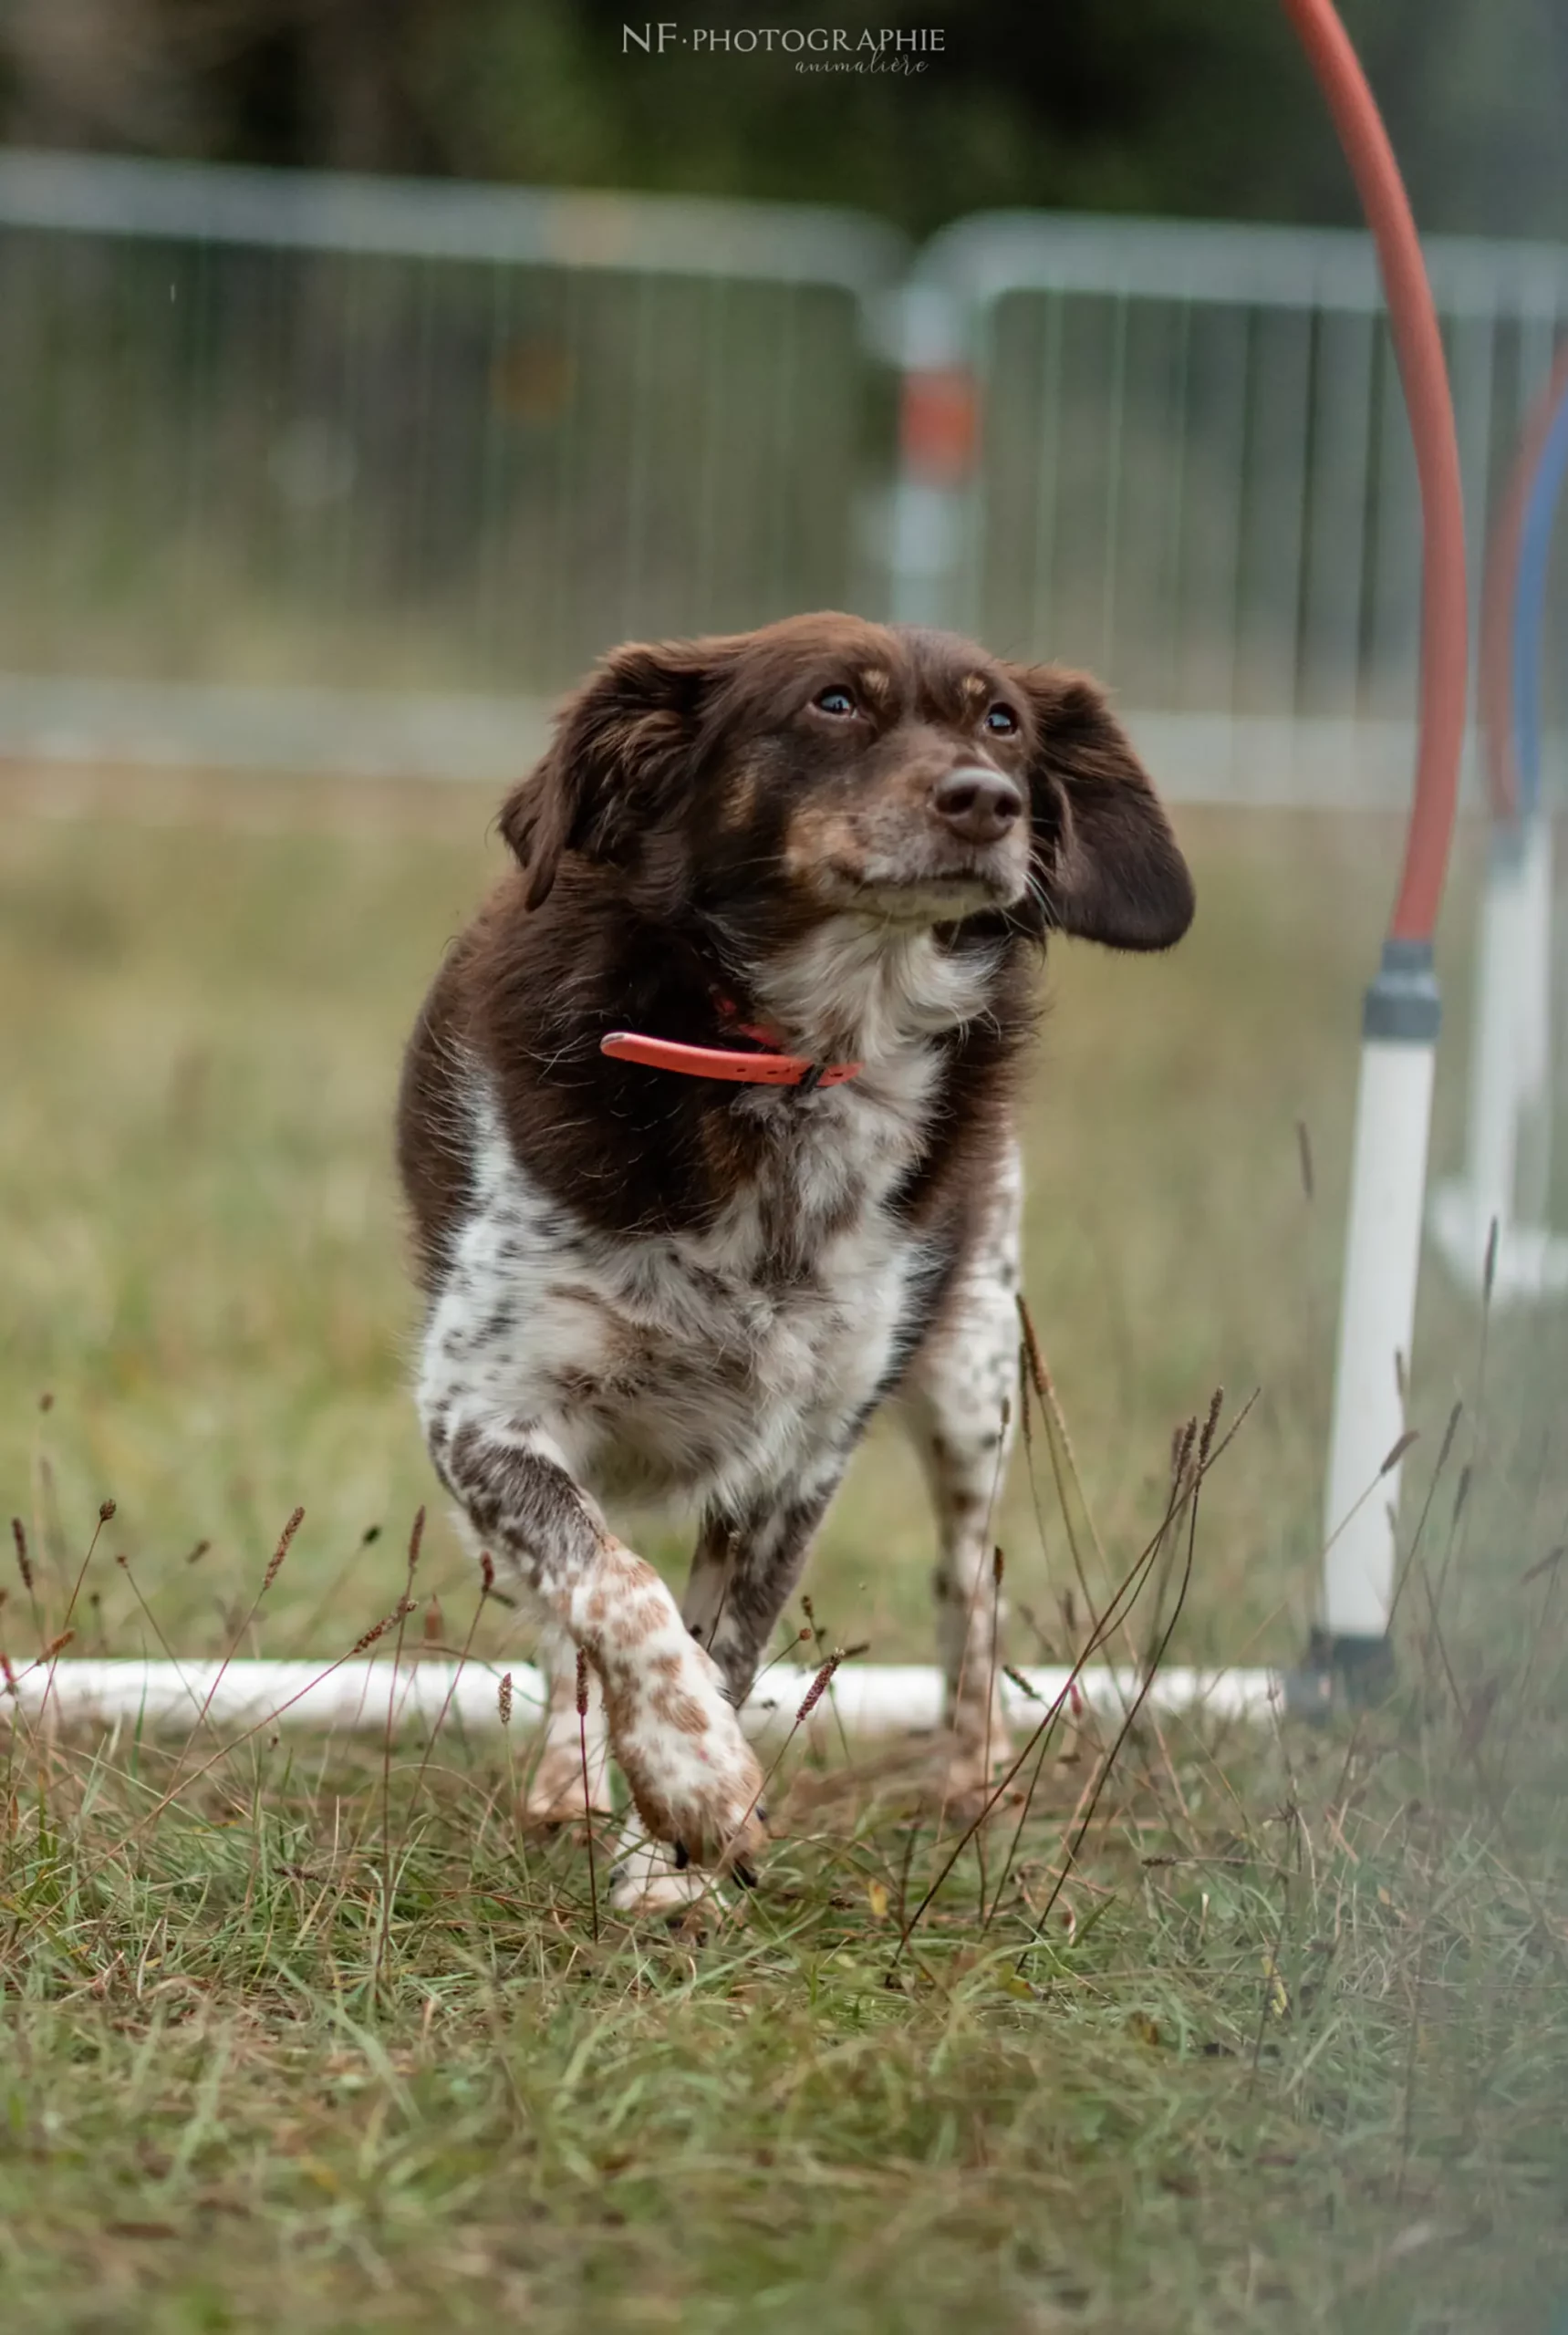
(570, 1776)
(959, 1400)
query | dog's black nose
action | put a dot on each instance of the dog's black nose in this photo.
(978, 806)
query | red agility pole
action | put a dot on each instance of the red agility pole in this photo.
(1399, 1030)
(1419, 345)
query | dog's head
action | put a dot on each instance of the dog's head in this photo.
(826, 765)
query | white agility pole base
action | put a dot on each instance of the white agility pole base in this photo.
(1528, 1261)
(1377, 1313)
(1511, 1050)
(864, 1699)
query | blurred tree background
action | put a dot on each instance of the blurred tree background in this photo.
(1195, 107)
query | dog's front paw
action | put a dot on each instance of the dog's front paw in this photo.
(706, 1809)
(693, 1776)
(646, 1880)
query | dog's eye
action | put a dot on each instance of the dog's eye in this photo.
(1002, 720)
(834, 700)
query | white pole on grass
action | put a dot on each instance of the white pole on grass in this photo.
(1541, 1263)
(1377, 1306)
(1510, 1042)
(357, 1696)
(1486, 1222)
(1350, 1649)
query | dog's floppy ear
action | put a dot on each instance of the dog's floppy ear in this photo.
(1106, 860)
(621, 743)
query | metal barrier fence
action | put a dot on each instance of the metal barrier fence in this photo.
(1191, 471)
(317, 470)
(336, 472)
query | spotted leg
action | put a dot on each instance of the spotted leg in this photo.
(749, 1558)
(671, 1726)
(958, 1401)
(557, 1792)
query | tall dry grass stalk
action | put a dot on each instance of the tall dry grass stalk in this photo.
(1125, 1596)
(587, 1787)
(406, 1604)
(1064, 1471)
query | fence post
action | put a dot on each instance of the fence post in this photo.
(938, 443)
(1510, 1042)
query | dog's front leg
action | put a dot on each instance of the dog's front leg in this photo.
(671, 1726)
(749, 1558)
(959, 1403)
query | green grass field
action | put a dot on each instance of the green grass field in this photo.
(307, 2035)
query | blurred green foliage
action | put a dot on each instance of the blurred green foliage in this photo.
(1201, 107)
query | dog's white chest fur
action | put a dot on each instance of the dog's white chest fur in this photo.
(711, 1364)
(696, 1365)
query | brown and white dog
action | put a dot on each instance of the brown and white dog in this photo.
(678, 1268)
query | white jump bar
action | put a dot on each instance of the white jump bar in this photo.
(869, 1699)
